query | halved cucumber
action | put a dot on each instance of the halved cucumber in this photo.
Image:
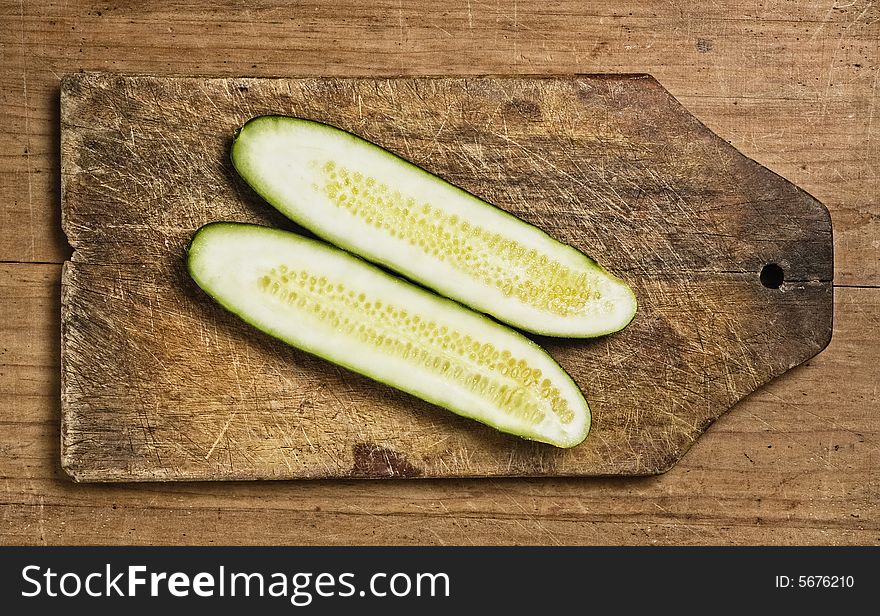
(336, 306)
(385, 209)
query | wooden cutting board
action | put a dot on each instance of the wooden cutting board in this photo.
(159, 383)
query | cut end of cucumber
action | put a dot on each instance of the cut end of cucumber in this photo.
(334, 305)
(369, 201)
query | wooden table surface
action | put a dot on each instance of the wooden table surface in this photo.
(791, 84)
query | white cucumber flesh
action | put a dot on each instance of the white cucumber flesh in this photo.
(337, 306)
(369, 201)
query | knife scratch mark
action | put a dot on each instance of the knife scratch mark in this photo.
(222, 432)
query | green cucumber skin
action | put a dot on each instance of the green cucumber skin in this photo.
(242, 166)
(192, 252)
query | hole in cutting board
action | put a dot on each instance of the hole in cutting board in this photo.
(772, 276)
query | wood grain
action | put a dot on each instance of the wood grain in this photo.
(793, 85)
(793, 463)
(160, 383)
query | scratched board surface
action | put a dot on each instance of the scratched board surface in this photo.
(159, 383)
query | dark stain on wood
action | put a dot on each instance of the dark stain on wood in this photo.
(704, 45)
(525, 109)
(159, 383)
(371, 460)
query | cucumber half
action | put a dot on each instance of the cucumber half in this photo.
(337, 306)
(368, 201)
